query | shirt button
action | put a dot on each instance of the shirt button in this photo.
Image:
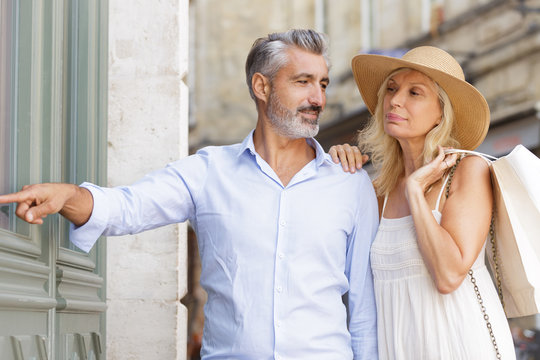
(282, 222)
(279, 289)
(281, 255)
(278, 324)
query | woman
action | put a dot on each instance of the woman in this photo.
(431, 234)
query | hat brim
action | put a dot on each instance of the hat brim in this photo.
(471, 111)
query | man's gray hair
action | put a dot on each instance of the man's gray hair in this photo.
(269, 54)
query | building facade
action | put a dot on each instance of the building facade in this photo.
(496, 42)
(91, 91)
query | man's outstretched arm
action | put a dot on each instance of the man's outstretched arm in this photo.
(35, 202)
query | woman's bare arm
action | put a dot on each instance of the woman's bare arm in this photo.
(450, 248)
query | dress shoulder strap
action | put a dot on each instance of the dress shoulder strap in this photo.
(384, 205)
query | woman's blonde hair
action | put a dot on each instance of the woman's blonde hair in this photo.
(385, 151)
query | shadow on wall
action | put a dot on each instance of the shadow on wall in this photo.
(194, 300)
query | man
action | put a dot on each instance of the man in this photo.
(283, 232)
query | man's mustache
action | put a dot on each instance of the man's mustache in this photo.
(316, 108)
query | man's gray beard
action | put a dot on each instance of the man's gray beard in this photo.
(287, 124)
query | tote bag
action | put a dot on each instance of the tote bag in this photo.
(516, 190)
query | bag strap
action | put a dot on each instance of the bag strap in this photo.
(486, 157)
(495, 256)
(471, 273)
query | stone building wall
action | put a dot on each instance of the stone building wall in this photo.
(148, 128)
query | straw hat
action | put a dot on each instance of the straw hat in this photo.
(471, 110)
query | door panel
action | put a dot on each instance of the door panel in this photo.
(53, 83)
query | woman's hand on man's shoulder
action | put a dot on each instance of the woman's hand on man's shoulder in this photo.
(350, 157)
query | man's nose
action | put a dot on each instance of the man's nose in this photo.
(317, 96)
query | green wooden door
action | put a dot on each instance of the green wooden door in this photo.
(53, 116)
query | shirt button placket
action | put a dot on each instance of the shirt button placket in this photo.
(280, 275)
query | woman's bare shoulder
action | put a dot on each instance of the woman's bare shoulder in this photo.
(472, 165)
(472, 171)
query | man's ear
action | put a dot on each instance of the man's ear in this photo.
(260, 86)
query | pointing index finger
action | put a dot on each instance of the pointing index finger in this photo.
(17, 197)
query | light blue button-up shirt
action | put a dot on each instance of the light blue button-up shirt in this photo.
(276, 260)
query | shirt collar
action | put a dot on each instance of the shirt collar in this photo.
(247, 144)
(320, 154)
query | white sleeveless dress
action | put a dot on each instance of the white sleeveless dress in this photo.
(414, 320)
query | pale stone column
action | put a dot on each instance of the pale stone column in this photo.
(148, 128)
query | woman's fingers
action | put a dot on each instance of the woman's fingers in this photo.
(334, 153)
(359, 159)
(434, 171)
(445, 161)
(349, 156)
(340, 155)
